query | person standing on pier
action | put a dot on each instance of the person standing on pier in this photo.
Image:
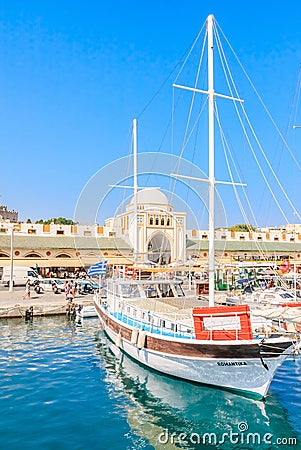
(27, 290)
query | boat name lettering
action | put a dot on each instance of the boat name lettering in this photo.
(232, 363)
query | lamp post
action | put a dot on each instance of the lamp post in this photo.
(11, 280)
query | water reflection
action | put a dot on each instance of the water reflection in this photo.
(41, 360)
(52, 389)
(175, 414)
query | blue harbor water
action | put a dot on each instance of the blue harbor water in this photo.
(62, 388)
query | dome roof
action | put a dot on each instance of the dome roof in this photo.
(151, 196)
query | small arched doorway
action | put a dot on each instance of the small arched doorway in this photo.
(159, 249)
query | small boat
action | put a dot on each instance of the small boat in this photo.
(153, 322)
(83, 311)
(267, 297)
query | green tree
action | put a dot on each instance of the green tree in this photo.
(63, 221)
(242, 227)
(56, 221)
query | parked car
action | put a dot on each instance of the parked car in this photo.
(86, 287)
(53, 284)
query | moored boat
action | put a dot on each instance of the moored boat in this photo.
(153, 322)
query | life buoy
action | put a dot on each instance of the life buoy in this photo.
(131, 272)
(285, 266)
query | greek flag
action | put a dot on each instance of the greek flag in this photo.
(98, 269)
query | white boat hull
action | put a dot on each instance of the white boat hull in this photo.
(251, 376)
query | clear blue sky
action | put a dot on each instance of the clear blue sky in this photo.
(73, 75)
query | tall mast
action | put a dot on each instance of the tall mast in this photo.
(135, 190)
(211, 157)
(211, 151)
(135, 156)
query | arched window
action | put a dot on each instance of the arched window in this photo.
(151, 220)
(32, 255)
(157, 221)
(162, 221)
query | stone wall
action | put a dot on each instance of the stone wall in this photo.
(6, 214)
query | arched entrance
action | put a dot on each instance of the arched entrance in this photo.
(159, 249)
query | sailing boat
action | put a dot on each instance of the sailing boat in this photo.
(153, 322)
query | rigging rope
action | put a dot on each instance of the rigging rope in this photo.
(223, 59)
(260, 99)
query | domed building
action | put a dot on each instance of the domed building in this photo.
(152, 228)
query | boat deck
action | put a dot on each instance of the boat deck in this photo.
(168, 316)
(167, 304)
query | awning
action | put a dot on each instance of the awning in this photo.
(63, 262)
(41, 262)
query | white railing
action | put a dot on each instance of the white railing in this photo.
(155, 323)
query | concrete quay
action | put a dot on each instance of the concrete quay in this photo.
(13, 306)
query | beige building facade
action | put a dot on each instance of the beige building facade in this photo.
(148, 231)
(153, 229)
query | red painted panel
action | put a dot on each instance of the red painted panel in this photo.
(221, 314)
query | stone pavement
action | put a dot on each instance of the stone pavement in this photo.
(48, 303)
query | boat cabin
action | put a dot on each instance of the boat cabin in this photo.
(156, 305)
(132, 289)
(160, 306)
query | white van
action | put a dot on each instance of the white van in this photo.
(20, 275)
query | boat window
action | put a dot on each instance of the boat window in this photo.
(166, 290)
(150, 291)
(162, 323)
(129, 290)
(112, 288)
(179, 290)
